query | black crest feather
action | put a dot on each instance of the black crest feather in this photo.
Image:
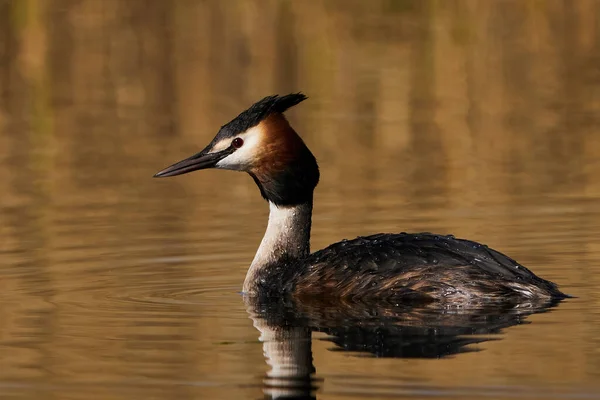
(259, 111)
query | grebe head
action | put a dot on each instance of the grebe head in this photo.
(261, 141)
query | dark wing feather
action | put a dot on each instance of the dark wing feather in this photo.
(389, 255)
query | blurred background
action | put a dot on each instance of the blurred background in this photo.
(472, 117)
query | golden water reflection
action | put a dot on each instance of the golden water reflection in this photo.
(478, 118)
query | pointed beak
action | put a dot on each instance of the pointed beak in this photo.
(202, 160)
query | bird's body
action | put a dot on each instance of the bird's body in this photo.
(405, 267)
(398, 267)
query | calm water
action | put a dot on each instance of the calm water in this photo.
(477, 118)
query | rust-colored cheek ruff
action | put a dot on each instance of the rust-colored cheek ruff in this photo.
(280, 146)
(284, 168)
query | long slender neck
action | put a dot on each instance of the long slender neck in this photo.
(287, 237)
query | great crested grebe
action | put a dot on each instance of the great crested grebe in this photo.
(423, 266)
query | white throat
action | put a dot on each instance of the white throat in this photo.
(287, 236)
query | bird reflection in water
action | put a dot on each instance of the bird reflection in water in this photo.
(397, 331)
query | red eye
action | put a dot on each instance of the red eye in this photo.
(237, 142)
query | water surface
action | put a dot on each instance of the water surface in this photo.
(472, 118)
